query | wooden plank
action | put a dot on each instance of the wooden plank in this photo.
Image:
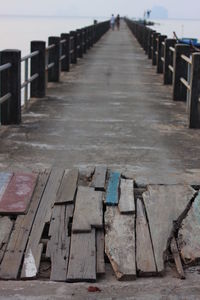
(120, 243)
(126, 202)
(177, 259)
(68, 187)
(100, 242)
(17, 196)
(188, 235)
(112, 195)
(6, 226)
(99, 178)
(82, 261)
(59, 243)
(88, 210)
(164, 204)
(34, 248)
(144, 250)
(12, 259)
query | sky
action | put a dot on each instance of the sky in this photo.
(95, 8)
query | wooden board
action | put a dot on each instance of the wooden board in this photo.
(88, 210)
(82, 261)
(100, 242)
(112, 195)
(6, 226)
(126, 202)
(59, 243)
(99, 178)
(12, 259)
(34, 248)
(67, 190)
(164, 204)
(144, 250)
(4, 181)
(188, 236)
(120, 243)
(18, 194)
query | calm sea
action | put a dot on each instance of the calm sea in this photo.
(17, 32)
(183, 28)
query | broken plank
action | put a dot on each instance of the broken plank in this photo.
(82, 261)
(99, 178)
(100, 243)
(120, 243)
(188, 234)
(6, 226)
(177, 259)
(34, 248)
(59, 243)
(144, 250)
(126, 202)
(112, 195)
(11, 263)
(164, 204)
(17, 196)
(88, 210)
(67, 190)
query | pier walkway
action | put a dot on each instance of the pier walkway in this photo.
(111, 110)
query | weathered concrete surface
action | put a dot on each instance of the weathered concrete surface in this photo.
(112, 109)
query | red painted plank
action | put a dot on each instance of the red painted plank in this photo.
(18, 194)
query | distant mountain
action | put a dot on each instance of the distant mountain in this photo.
(159, 12)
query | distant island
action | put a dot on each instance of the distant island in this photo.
(159, 12)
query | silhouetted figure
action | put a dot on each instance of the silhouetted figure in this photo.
(118, 22)
(112, 22)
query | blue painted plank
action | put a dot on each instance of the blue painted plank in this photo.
(112, 195)
(5, 178)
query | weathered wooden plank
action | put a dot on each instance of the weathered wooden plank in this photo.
(67, 190)
(12, 259)
(99, 178)
(112, 195)
(126, 202)
(18, 194)
(164, 204)
(4, 181)
(144, 250)
(59, 243)
(88, 210)
(82, 261)
(6, 226)
(120, 243)
(177, 259)
(188, 235)
(34, 248)
(100, 242)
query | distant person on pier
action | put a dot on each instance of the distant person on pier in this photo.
(118, 21)
(112, 22)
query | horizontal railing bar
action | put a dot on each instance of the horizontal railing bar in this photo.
(71, 51)
(50, 47)
(5, 98)
(78, 47)
(172, 49)
(186, 58)
(62, 57)
(30, 55)
(156, 53)
(171, 68)
(163, 43)
(162, 58)
(51, 65)
(32, 78)
(5, 67)
(186, 84)
(63, 41)
(71, 37)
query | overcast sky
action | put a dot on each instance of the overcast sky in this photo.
(176, 8)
